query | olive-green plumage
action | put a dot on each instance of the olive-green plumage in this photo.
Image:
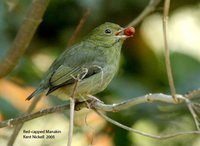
(94, 60)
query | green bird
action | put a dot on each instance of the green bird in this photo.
(91, 63)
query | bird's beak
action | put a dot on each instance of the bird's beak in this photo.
(125, 32)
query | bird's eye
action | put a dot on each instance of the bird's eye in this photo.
(108, 31)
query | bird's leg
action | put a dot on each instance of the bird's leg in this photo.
(87, 101)
(84, 100)
(92, 99)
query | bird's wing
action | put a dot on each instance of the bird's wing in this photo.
(81, 65)
(66, 76)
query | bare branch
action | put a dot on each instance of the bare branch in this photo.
(98, 105)
(18, 127)
(79, 27)
(24, 36)
(71, 117)
(71, 122)
(167, 51)
(137, 100)
(160, 137)
(193, 93)
(149, 9)
(28, 117)
(194, 115)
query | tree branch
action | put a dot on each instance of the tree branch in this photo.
(149, 9)
(160, 137)
(79, 27)
(167, 51)
(28, 117)
(193, 93)
(194, 115)
(158, 97)
(19, 126)
(24, 36)
(98, 105)
(71, 117)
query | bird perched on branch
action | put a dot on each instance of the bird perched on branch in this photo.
(92, 63)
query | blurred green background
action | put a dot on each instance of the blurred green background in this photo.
(142, 68)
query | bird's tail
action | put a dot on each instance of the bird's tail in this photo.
(38, 91)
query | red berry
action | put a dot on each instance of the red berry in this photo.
(129, 31)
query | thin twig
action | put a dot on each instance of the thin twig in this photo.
(149, 98)
(97, 105)
(28, 117)
(149, 9)
(160, 137)
(24, 36)
(193, 93)
(167, 51)
(79, 27)
(71, 117)
(18, 127)
(71, 121)
(194, 115)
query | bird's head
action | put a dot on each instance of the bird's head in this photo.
(110, 33)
